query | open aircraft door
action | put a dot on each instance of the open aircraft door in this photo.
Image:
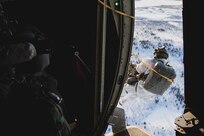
(115, 28)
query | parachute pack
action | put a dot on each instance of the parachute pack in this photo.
(35, 108)
(156, 83)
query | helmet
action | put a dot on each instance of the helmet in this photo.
(41, 43)
(161, 53)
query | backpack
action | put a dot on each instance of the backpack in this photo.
(157, 84)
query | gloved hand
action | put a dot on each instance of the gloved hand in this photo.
(139, 76)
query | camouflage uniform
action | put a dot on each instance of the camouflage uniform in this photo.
(30, 101)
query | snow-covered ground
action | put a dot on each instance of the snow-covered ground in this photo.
(158, 22)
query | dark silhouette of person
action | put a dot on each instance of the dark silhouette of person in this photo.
(29, 97)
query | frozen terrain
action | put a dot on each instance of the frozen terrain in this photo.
(158, 22)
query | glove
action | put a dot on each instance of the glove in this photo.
(140, 76)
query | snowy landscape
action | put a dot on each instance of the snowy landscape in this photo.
(157, 23)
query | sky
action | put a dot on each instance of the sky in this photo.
(158, 22)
